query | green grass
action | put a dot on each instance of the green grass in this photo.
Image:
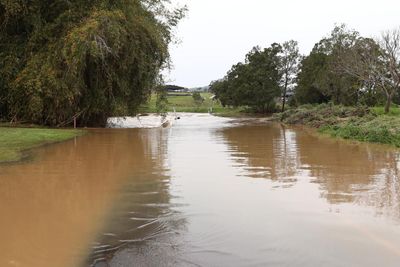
(187, 104)
(14, 141)
(394, 111)
(384, 129)
(354, 123)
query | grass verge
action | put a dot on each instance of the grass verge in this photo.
(355, 123)
(14, 141)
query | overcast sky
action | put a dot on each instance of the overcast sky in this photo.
(218, 33)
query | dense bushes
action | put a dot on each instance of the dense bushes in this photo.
(382, 129)
(356, 123)
(320, 115)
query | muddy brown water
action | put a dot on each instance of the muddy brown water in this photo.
(207, 192)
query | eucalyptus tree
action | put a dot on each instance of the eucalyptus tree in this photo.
(390, 45)
(320, 79)
(376, 63)
(289, 66)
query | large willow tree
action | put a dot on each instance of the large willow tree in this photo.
(88, 59)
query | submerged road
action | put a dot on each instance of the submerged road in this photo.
(207, 192)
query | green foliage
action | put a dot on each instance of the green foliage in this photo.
(382, 129)
(90, 59)
(162, 102)
(394, 111)
(254, 83)
(221, 90)
(355, 123)
(321, 78)
(288, 67)
(313, 68)
(197, 98)
(322, 115)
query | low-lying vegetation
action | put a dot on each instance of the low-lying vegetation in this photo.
(356, 123)
(15, 141)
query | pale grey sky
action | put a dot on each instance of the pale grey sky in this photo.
(218, 33)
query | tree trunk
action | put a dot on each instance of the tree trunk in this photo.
(338, 96)
(284, 96)
(388, 103)
(284, 102)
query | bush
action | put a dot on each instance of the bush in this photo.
(198, 99)
(357, 123)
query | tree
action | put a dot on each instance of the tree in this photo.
(254, 83)
(289, 63)
(320, 79)
(221, 90)
(376, 63)
(86, 59)
(390, 45)
(312, 71)
(162, 101)
(197, 98)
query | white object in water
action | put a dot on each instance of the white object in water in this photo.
(144, 122)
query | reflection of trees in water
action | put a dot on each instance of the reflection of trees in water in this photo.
(362, 174)
(144, 215)
(347, 173)
(340, 168)
(384, 194)
(264, 152)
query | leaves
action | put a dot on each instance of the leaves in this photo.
(96, 58)
(254, 83)
(320, 80)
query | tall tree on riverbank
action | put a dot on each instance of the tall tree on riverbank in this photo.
(390, 44)
(289, 65)
(84, 59)
(376, 63)
(312, 71)
(319, 78)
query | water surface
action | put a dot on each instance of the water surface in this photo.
(207, 192)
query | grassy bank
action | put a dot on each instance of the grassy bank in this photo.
(15, 141)
(355, 123)
(185, 103)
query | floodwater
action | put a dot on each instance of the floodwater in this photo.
(207, 192)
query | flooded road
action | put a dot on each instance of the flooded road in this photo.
(207, 192)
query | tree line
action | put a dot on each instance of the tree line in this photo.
(344, 68)
(81, 59)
